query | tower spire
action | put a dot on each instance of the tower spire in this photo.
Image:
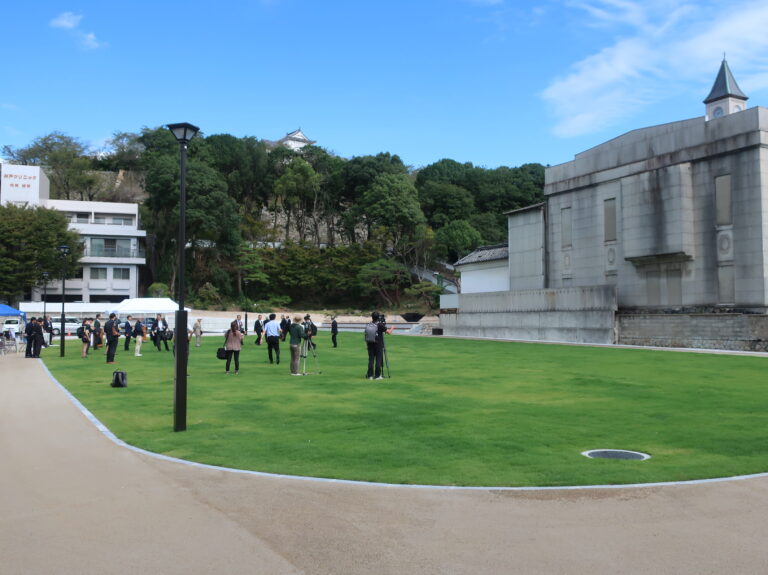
(725, 97)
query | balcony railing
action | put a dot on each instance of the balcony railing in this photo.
(115, 252)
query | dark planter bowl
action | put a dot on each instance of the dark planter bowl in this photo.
(412, 317)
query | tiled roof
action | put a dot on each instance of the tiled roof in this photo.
(725, 85)
(485, 254)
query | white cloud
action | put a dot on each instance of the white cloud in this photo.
(89, 41)
(70, 21)
(663, 43)
(66, 20)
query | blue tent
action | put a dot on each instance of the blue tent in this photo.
(6, 310)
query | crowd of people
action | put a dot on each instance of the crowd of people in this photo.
(299, 332)
(94, 336)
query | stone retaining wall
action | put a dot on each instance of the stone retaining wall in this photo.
(730, 331)
(574, 315)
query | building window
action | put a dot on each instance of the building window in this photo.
(110, 247)
(78, 218)
(724, 217)
(98, 273)
(122, 221)
(121, 273)
(78, 273)
(609, 219)
(565, 228)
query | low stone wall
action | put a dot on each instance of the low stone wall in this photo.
(574, 315)
(730, 331)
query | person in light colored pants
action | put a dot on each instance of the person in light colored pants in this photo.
(139, 333)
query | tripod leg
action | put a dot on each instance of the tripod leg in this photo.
(386, 362)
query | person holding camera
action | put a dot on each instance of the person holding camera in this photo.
(310, 329)
(374, 341)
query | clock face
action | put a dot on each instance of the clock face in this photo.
(718, 112)
(738, 108)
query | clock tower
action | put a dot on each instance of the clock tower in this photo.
(725, 97)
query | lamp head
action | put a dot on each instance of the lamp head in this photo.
(183, 132)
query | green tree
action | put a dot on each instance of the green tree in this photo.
(443, 202)
(443, 171)
(30, 237)
(391, 206)
(359, 175)
(65, 160)
(298, 192)
(385, 278)
(427, 293)
(456, 240)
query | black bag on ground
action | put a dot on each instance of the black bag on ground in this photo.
(221, 353)
(119, 379)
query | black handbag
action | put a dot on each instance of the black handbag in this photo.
(221, 353)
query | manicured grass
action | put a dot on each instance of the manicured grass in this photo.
(455, 412)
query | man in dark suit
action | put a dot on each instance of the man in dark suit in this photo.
(285, 324)
(112, 331)
(258, 329)
(35, 338)
(127, 331)
(334, 330)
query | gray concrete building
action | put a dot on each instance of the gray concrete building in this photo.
(672, 219)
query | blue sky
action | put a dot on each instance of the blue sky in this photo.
(492, 82)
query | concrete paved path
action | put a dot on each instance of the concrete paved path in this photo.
(73, 501)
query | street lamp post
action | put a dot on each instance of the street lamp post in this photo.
(183, 133)
(63, 252)
(45, 301)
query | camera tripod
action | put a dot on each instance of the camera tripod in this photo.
(386, 358)
(304, 349)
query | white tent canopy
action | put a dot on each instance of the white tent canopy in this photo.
(148, 306)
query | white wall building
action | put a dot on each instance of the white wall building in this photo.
(113, 242)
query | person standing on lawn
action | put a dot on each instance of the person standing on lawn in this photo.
(297, 334)
(84, 333)
(96, 330)
(233, 341)
(112, 331)
(374, 340)
(139, 333)
(258, 329)
(334, 330)
(197, 331)
(127, 332)
(272, 332)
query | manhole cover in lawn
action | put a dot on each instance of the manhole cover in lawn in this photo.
(615, 454)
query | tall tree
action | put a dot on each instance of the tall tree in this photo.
(391, 206)
(30, 236)
(65, 160)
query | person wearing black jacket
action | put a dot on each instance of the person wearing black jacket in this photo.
(127, 332)
(139, 331)
(35, 338)
(334, 330)
(112, 331)
(258, 329)
(97, 332)
(285, 324)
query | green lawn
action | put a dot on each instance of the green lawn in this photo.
(454, 412)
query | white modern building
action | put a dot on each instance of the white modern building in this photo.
(113, 243)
